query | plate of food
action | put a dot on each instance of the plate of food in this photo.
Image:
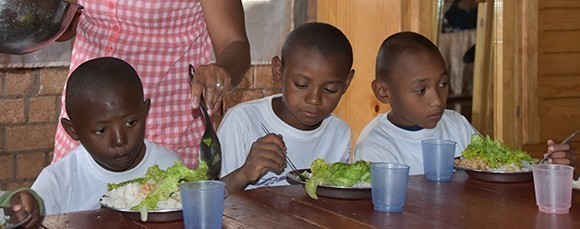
(576, 184)
(156, 196)
(491, 160)
(337, 180)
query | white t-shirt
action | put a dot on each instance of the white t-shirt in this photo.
(382, 141)
(77, 182)
(240, 128)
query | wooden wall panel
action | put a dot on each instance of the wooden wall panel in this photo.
(366, 24)
(558, 79)
(561, 87)
(558, 4)
(559, 64)
(561, 18)
(559, 41)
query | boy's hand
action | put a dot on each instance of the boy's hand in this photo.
(562, 154)
(266, 154)
(23, 204)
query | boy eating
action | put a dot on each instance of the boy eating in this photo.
(411, 77)
(315, 69)
(107, 112)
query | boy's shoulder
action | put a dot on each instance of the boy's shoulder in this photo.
(252, 104)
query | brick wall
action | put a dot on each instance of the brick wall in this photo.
(29, 106)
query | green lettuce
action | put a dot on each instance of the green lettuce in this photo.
(494, 152)
(336, 174)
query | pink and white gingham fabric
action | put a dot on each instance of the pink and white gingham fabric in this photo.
(159, 39)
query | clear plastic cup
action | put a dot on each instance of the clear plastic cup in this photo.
(203, 203)
(553, 187)
(438, 157)
(389, 186)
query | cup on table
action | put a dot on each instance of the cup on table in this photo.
(203, 203)
(553, 187)
(389, 186)
(438, 155)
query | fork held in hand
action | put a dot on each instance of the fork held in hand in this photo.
(563, 142)
(302, 177)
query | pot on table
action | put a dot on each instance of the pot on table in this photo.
(29, 25)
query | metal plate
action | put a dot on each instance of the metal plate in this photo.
(167, 215)
(152, 216)
(500, 177)
(338, 192)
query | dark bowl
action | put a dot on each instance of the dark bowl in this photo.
(29, 25)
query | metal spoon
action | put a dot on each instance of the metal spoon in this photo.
(209, 148)
(563, 142)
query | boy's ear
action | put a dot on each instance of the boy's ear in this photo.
(348, 80)
(381, 91)
(147, 104)
(69, 129)
(276, 68)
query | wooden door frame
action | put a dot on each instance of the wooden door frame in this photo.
(516, 120)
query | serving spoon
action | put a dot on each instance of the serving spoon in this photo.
(563, 142)
(209, 148)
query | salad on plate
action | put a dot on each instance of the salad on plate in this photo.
(338, 174)
(492, 155)
(157, 190)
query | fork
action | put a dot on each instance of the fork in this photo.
(302, 177)
(563, 142)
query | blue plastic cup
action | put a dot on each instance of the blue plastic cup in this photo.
(389, 186)
(438, 157)
(203, 203)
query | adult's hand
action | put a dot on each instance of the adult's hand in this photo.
(213, 82)
(227, 31)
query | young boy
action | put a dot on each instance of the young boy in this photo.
(107, 111)
(24, 202)
(315, 69)
(411, 77)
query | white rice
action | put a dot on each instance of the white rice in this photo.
(576, 183)
(130, 195)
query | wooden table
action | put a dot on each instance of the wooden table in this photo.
(461, 203)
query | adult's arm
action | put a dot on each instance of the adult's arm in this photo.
(226, 26)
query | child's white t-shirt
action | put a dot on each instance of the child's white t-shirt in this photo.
(240, 128)
(77, 182)
(382, 141)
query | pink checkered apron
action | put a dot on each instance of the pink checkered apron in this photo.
(160, 39)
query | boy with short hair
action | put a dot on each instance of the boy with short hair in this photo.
(411, 76)
(315, 69)
(107, 111)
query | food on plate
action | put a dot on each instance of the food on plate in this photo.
(159, 189)
(485, 153)
(336, 174)
(576, 184)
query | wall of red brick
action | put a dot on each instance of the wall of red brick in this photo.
(29, 106)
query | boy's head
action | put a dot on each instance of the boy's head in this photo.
(411, 76)
(315, 69)
(107, 112)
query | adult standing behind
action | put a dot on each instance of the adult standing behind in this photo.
(160, 39)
